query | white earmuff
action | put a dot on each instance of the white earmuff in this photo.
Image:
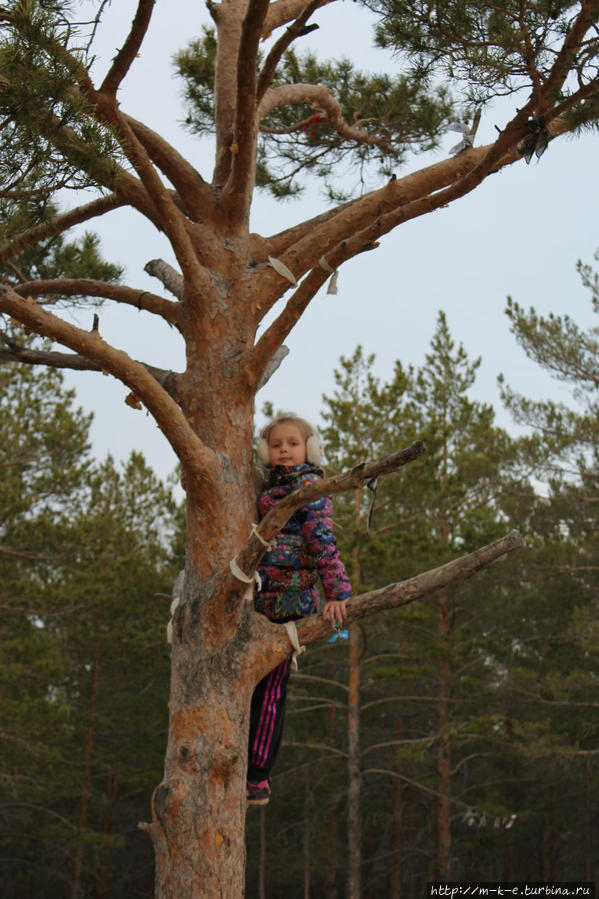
(263, 451)
(314, 449)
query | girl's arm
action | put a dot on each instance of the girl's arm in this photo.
(317, 528)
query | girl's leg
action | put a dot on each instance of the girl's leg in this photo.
(266, 721)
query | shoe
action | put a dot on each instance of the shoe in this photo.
(257, 793)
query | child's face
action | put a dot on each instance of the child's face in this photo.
(286, 446)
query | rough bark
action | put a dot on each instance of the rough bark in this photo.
(224, 288)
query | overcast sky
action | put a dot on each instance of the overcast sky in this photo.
(519, 233)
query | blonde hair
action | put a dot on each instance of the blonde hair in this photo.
(288, 418)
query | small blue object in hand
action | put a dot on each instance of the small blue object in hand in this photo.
(339, 634)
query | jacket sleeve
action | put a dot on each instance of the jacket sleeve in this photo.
(317, 529)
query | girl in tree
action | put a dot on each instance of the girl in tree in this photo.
(304, 550)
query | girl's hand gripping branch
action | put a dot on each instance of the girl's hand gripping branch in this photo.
(334, 612)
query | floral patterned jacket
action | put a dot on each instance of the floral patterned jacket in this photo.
(305, 550)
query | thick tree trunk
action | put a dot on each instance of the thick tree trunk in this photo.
(199, 808)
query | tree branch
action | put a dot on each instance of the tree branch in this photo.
(127, 187)
(199, 461)
(241, 180)
(195, 194)
(357, 476)
(318, 95)
(60, 223)
(170, 277)
(76, 362)
(283, 11)
(141, 299)
(356, 226)
(124, 58)
(259, 358)
(171, 219)
(272, 365)
(272, 60)
(393, 596)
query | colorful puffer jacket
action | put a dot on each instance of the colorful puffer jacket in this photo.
(305, 550)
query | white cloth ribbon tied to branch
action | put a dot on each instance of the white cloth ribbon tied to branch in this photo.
(253, 581)
(282, 270)
(267, 543)
(294, 640)
(332, 288)
(467, 138)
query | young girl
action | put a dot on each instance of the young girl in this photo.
(305, 550)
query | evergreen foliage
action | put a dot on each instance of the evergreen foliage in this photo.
(518, 654)
(403, 115)
(84, 551)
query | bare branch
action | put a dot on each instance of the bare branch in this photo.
(171, 219)
(76, 362)
(283, 11)
(59, 224)
(170, 277)
(199, 461)
(357, 226)
(25, 554)
(195, 194)
(314, 628)
(126, 187)
(407, 742)
(321, 97)
(272, 60)
(321, 680)
(258, 358)
(325, 746)
(241, 180)
(272, 366)
(141, 299)
(124, 58)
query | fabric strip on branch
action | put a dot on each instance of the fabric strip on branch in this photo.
(332, 288)
(269, 544)
(294, 639)
(313, 123)
(282, 270)
(252, 581)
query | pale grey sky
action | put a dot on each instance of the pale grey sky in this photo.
(519, 233)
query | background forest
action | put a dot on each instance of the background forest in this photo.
(454, 738)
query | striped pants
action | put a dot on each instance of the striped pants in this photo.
(267, 715)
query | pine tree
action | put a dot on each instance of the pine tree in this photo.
(64, 129)
(427, 654)
(84, 664)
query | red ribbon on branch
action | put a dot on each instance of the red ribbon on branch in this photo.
(313, 121)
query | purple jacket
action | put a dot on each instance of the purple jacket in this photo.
(305, 550)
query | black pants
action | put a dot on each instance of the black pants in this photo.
(267, 715)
